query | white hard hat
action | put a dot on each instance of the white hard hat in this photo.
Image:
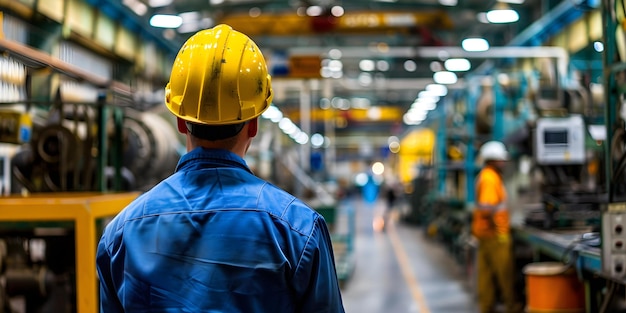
(493, 150)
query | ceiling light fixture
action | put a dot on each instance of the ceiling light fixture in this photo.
(367, 65)
(501, 14)
(337, 11)
(166, 21)
(512, 1)
(254, 12)
(449, 3)
(598, 46)
(457, 65)
(382, 65)
(317, 140)
(159, 3)
(482, 17)
(445, 78)
(475, 44)
(435, 66)
(427, 96)
(314, 10)
(410, 66)
(423, 106)
(439, 90)
(190, 16)
(335, 54)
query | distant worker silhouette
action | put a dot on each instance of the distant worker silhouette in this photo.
(491, 226)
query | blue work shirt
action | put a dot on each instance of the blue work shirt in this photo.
(213, 237)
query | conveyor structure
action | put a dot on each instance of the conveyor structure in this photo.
(69, 226)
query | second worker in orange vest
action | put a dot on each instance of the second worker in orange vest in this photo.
(490, 226)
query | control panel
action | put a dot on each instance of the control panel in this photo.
(560, 140)
(614, 241)
(15, 127)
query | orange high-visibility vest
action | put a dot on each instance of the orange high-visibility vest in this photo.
(491, 214)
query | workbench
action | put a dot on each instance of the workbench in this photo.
(578, 247)
(566, 245)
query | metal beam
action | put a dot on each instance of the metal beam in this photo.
(389, 84)
(447, 52)
(558, 53)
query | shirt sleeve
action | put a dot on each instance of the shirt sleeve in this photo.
(317, 274)
(109, 302)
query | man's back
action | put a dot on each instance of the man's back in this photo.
(215, 238)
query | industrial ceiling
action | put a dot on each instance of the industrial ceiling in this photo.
(387, 32)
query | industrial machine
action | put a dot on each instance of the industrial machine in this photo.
(560, 140)
(47, 239)
(570, 188)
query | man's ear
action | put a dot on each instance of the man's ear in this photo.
(182, 127)
(253, 127)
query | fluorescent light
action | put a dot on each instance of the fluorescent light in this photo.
(502, 13)
(457, 65)
(159, 3)
(365, 79)
(337, 11)
(428, 96)
(417, 114)
(317, 140)
(410, 66)
(254, 12)
(302, 138)
(190, 16)
(512, 1)
(273, 114)
(314, 10)
(502, 16)
(335, 54)
(598, 46)
(449, 3)
(423, 106)
(439, 90)
(189, 27)
(482, 17)
(414, 117)
(367, 65)
(445, 78)
(166, 21)
(382, 65)
(287, 126)
(374, 113)
(475, 44)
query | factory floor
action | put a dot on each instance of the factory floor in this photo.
(399, 269)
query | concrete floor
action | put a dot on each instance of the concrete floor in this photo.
(399, 270)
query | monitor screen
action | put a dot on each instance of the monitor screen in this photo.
(555, 137)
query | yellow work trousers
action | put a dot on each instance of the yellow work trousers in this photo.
(495, 274)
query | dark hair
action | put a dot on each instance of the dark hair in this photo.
(214, 132)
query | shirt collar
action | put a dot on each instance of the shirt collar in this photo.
(205, 157)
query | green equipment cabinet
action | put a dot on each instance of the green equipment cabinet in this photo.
(340, 220)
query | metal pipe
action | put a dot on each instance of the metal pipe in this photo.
(27, 281)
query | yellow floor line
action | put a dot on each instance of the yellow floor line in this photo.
(407, 271)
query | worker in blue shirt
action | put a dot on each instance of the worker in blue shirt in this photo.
(213, 237)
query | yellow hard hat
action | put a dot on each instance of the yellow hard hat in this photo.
(219, 77)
